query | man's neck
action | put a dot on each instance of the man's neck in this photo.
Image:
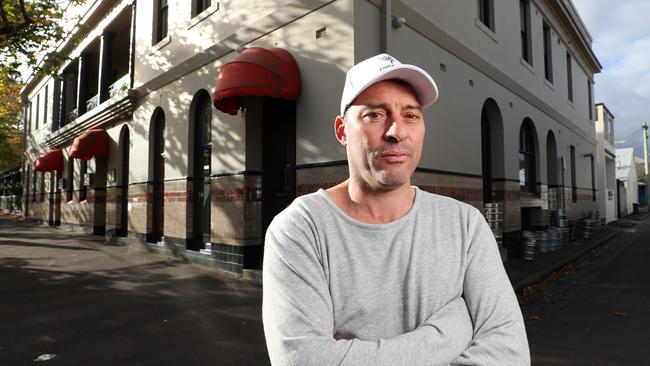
(372, 206)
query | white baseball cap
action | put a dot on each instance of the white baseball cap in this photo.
(384, 67)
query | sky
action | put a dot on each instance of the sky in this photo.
(621, 40)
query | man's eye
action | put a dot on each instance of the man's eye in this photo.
(412, 117)
(375, 116)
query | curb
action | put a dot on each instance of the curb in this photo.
(540, 274)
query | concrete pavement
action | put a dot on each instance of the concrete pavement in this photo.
(87, 302)
(602, 315)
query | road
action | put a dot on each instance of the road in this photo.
(597, 312)
(72, 300)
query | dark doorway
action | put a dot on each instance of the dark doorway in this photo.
(56, 188)
(486, 155)
(202, 168)
(101, 169)
(123, 228)
(157, 144)
(279, 157)
(51, 198)
(552, 172)
(491, 149)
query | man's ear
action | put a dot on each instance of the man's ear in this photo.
(339, 130)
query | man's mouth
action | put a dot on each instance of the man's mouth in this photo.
(396, 156)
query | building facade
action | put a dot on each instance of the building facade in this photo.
(190, 166)
(628, 185)
(606, 163)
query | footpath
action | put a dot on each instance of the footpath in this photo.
(71, 299)
(524, 273)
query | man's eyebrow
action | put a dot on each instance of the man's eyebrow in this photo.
(386, 106)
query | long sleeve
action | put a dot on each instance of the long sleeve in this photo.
(499, 332)
(298, 314)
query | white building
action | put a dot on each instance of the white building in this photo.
(626, 174)
(515, 117)
(605, 163)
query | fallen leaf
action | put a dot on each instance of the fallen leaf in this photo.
(535, 317)
(620, 313)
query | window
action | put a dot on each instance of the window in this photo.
(69, 181)
(45, 99)
(593, 179)
(161, 20)
(29, 118)
(574, 187)
(569, 76)
(486, 13)
(548, 57)
(200, 5)
(524, 12)
(83, 171)
(590, 103)
(38, 105)
(527, 177)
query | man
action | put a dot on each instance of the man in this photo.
(375, 271)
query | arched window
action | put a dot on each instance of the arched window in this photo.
(527, 157)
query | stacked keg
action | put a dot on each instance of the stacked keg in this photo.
(552, 199)
(561, 223)
(529, 247)
(494, 217)
(543, 241)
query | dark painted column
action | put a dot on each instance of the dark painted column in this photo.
(82, 85)
(63, 105)
(56, 105)
(105, 51)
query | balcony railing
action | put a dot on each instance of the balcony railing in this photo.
(72, 115)
(121, 84)
(92, 102)
(609, 137)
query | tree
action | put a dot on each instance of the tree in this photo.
(10, 122)
(27, 29)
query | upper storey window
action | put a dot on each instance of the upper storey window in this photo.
(548, 55)
(486, 13)
(162, 12)
(524, 12)
(199, 6)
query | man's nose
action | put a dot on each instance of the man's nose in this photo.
(396, 130)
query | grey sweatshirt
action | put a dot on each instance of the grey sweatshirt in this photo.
(427, 289)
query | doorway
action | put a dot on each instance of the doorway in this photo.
(279, 157)
(202, 168)
(123, 228)
(157, 148)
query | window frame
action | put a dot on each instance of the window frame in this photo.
(199, 6)
(569, 76)
(486, 13)
(548, 51)
(161, 26)
(527, 158)
(526, 42)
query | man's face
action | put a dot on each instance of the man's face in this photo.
(383, 131)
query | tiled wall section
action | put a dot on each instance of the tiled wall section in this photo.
(75, 213)
(113, 208)
(310, 179)
(138, 208)
(175, 209)
(236, 217)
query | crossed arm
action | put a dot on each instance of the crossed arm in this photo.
(484, 327)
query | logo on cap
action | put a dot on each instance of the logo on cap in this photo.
(387, 58)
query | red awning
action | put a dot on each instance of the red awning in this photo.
(91, 143)
(49, 161)
(257, 71)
